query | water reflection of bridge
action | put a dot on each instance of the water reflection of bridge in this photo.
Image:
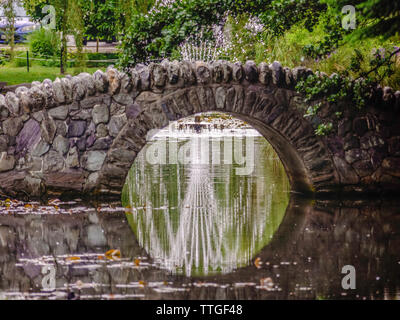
(211, 221)
(302, 261)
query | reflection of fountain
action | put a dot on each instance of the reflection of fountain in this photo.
(213, 223)
(199, 238)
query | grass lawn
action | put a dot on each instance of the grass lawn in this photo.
(16, 75)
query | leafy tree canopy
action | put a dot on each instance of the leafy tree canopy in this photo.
(158, 31)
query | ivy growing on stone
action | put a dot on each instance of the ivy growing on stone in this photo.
(340, 88)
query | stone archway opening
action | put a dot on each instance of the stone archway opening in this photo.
(206, 194)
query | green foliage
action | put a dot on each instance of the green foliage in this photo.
(10, 20)
(100, 20)
(69, 19)
(374, 17)
(44, 43)
(159, 32)
(20, 60)
(324, 129)
(280, 15)
(4, 57)
(333, 34)
(340, 88)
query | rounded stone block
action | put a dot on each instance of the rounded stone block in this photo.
(12, 126)
(100, 81)
(203, 73)
(100, 114)
(7, 162)
(13, 103)
(251, 71)
(76, 128)
(94, 160)
(159, 75)
(59, 113)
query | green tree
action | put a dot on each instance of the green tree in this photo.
(69, 19)
(100, 19)
(8, 7)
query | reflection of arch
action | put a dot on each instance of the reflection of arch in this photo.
(206, 230)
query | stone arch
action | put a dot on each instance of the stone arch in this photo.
(270, 110)
(81, 134)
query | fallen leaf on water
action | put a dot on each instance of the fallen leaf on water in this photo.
(257, 263)
(100, 257)
(137, 262)
(142, 283)
(113, 254)
(73, 258)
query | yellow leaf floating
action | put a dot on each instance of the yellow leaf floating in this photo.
(142, 283)
(73, 259)
(137, 262)
(257, 263)
(113, 254)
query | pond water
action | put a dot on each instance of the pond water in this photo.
(205, 214)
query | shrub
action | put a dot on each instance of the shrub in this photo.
(45, 43)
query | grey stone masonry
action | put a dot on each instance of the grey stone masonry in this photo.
(82, 134)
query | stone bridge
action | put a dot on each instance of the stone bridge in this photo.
(81, 134)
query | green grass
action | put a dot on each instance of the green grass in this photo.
(17, 75)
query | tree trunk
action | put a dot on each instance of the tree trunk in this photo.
(64, 30)
(62, 70)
